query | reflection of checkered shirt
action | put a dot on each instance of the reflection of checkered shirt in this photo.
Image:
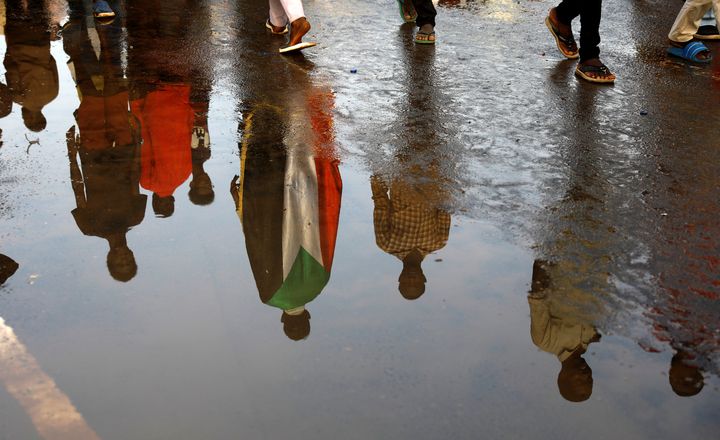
(404, 222)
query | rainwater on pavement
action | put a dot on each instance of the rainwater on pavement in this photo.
(203, 239)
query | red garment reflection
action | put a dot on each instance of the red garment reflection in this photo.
(166, 119)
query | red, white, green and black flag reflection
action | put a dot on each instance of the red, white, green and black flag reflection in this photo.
(289, 200)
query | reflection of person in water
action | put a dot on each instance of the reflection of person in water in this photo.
(106, 182)
(201, 188)
(31, 72)
(409, 226)
(569, 299)
(288, 200)
(5, 105)
(169, 98)
(686, 378)
(7, 268)
(558, 328)
(684, 317)
(410, 216)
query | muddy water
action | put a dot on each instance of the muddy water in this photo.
(204, 239)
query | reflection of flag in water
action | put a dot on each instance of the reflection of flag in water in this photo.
(289, 201)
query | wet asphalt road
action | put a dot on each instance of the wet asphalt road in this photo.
(601, 202)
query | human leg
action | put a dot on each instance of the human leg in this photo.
(293, 9)
(590, 68)
(567, 11)
(590, 13)
(426, 12)
(708, 29)
(688, 20)
(559, 21)
(278, 19)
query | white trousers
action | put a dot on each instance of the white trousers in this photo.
(283, 12)
(689, 18)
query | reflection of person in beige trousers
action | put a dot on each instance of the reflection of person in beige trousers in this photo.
(561, 323)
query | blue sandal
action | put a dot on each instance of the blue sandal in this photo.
(690, 52)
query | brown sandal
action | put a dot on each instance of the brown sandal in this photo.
(567, 45)
(606, 76)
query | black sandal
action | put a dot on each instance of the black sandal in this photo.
(606, 76)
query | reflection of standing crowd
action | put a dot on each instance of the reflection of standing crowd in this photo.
(141, 127)
(563, 324)
(145, 125)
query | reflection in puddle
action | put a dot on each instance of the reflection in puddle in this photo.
(560, 326)
(410, 215)
(31, 72)
(186, 346)
(288, 199)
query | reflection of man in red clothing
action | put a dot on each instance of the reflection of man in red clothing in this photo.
(169, 98)
(166, 118)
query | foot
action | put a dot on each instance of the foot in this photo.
(101, 9)
(277, 30)
(594, 70)
(702, 56)
(102, 12)
(298, 29)
(563, 35)
(565, 30)
(708, 32)
(426, 34)
(408, 9)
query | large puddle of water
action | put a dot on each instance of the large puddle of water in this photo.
(203, 239)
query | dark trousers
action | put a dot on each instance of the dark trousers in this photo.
(589, 12)
(426, 12)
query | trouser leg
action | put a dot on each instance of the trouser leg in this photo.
(293, 9)
(426, 12)
(277, 14)
(688, 19)
(590, 13)
(568, 10)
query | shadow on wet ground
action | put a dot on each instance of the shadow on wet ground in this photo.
(204, 239)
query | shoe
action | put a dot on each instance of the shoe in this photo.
(269, 26)
(103, 12)
(708, 32)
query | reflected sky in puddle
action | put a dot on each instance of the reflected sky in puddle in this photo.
(215, 241)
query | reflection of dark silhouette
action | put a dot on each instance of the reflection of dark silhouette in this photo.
(684, 322)
(106, 180)
(686, 379)
(5, 100)
(108, 199)
(7, 268)
(169, 97)
(288, 196)
(557, 328)
(201, 189)
(571, 275)
(31, 72)
(409, 217)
